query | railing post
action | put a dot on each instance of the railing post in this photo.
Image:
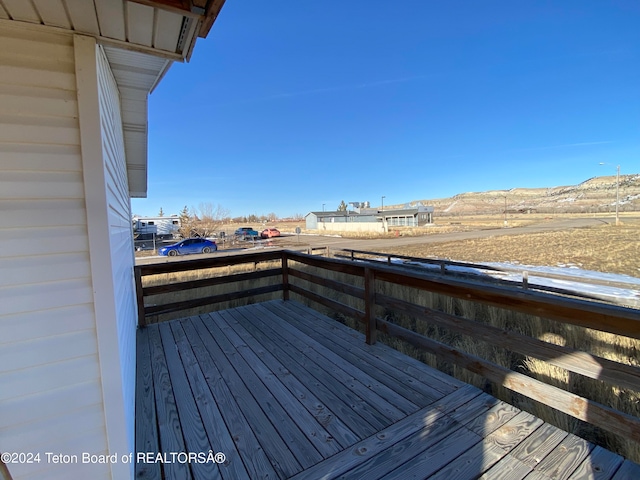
(137, 272)
(285, 277)
(369, 304)
(352, 255)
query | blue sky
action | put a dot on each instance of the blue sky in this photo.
(289, 105)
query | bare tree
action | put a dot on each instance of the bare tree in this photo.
(210, 218)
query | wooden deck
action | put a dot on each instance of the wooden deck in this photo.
(285, 392)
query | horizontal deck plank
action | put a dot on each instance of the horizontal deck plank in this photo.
(195, 437)
(335, 394)
(403, 399)
(255, 458)
(212, 419)
(285, 392)
(320, 411)
(169, 427)
(281, 457)
(415, 392)
(335, 375)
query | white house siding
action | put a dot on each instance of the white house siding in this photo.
(120, 233)
(52, 382)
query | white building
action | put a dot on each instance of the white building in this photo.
(74, 80)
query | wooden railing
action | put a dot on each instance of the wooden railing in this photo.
(301, 274)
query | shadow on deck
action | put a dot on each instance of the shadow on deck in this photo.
(285, 392)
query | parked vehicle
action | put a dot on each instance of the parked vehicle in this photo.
(270, 233)
(190, 245)
(246, 232)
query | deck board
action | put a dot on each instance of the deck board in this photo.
(285, 392)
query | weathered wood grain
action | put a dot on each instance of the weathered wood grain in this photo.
(388, 356)
(320, 411)
(601, 464)
(195, 436)
(485, 454)
(394, 381)
(146, 420)
(538, 445)
(254, 456)
(388, 385)
(244, 379)
(280, 456)
(508, 468)
(300, 444)
(335, 374)
(428, 417)
(565, 458)
(334, 394)
(212, 420)
(579, 407)
(321, 439)
(169, 428)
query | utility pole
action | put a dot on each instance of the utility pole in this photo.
(505, 211)
(617, 191)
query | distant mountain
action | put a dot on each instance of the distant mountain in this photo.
(597, 194)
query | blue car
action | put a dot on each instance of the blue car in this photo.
(190, 245)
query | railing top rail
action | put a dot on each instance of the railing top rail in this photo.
(610, 318)
(210, 262)
(433, 261)
(600, 316)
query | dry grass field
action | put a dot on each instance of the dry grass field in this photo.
(605, 248)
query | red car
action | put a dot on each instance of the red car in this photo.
(270, 232)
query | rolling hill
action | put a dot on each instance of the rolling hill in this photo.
(597, 194)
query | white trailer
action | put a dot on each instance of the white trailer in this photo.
(162, 227)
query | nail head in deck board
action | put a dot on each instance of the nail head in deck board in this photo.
(281, 457)
(485, 454)
(415, 393)
(333, 395)
(308, 424)
(565, 458)
(411, 366)
(313, 357)
(411, 449)
(146, 421)
(373, 445)
(538, 445)
(420, 454)
(248, 446)
(169, 429)
(601, 464)
(330, 420)
(195, 436)
(401, 396)
(219, 437)
(299, 444)
(348, 374)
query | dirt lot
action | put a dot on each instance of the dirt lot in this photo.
(603, 248)
(589, 243)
